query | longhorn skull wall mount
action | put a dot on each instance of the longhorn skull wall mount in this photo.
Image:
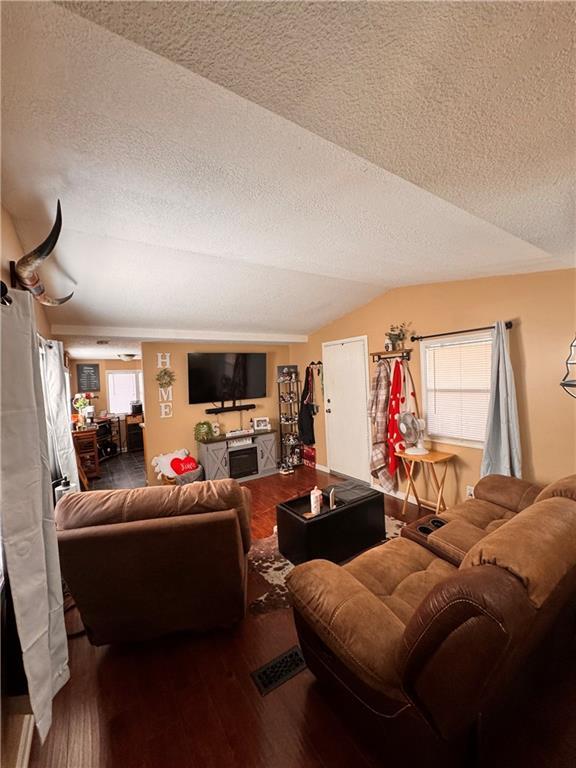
(25, 268)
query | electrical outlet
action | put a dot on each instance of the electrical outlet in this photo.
(469, 491)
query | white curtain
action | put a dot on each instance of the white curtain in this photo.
(60, 443)
(502, 453)
(28, 529)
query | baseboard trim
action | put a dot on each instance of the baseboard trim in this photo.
(24, 743)
(396, 494)
(376, 486)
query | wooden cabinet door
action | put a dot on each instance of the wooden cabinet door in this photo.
(267, 461)
(216, 461)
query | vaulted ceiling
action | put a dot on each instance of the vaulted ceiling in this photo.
(262, 168)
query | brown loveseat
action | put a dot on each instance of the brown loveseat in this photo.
(148, 561)
(423, 648)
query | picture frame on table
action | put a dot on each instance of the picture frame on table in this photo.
(261, 423)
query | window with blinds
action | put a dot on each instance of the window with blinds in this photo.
(456, 386)
(123, 388)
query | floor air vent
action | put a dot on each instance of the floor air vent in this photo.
(279, 670)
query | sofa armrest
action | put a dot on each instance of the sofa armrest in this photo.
(454, 645)
(508, 492)
(355, 625)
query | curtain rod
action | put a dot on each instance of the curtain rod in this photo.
(454, 333)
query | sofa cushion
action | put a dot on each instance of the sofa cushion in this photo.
(477, 512)
(509, 492)
(538, 546)
(400, 573)
(334, 604)
(565, 488)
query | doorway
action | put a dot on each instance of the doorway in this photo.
(346, 406)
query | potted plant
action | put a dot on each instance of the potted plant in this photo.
(397, 334)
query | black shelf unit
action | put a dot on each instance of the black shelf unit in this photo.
(108, 438)
(289, 393)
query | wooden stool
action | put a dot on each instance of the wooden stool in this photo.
(429, 461)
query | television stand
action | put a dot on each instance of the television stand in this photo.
(243, 457)
(227, 408)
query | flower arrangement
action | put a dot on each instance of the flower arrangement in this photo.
(83, 400)
(397, 333)
(80, 402)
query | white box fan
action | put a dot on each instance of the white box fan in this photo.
(412, 430)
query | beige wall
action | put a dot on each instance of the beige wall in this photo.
(169, 434)
(543, 308)
(12, 251)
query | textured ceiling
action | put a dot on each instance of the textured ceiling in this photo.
(191, 211)
(471, 101)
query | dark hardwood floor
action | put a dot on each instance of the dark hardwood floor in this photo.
(189, 702)
(123, 471)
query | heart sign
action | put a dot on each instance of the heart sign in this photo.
(181, 466)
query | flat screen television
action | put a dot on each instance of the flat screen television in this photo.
(215, 377)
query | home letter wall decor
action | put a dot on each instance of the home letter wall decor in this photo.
(165, 410)
(163, 359)
(165, 378)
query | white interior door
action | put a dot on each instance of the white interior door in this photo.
(346, 406)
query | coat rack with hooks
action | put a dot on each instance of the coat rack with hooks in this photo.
(403, 354)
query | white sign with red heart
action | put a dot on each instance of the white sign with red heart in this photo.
(181, 466)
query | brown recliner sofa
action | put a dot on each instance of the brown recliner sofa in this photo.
(145, 562)
(422, 649)
(452, 533)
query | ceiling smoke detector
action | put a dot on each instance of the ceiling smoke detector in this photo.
(127, 357)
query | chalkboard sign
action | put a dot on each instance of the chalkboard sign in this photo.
(88, 375)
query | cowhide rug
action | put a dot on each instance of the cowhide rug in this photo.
(265, 560)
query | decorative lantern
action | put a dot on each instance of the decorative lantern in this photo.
(568, 383)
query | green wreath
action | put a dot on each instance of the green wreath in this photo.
(165, 378)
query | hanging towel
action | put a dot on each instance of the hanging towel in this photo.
(395, 440)
(502, 453)
(378, 410)
(402, 400)
(28, 528)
